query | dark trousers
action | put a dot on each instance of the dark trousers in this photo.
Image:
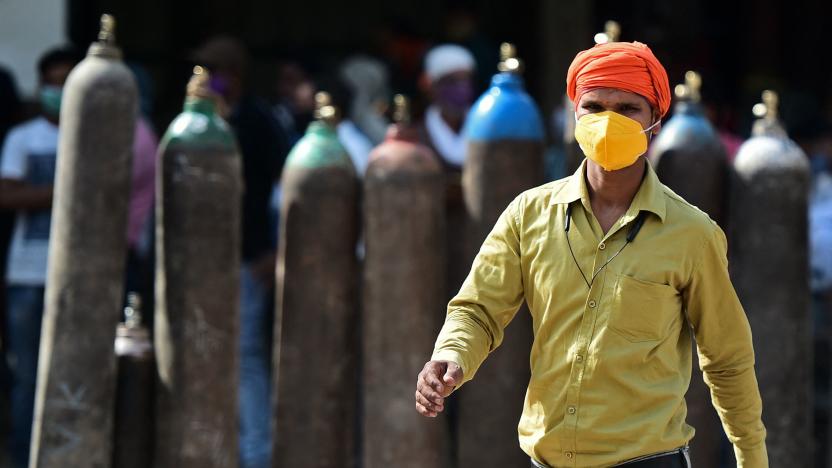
(24, 312)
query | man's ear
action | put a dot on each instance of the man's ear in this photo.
(657, 118)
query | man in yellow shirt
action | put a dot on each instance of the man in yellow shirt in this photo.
(619, 273)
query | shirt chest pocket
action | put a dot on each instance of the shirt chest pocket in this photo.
(643, 311)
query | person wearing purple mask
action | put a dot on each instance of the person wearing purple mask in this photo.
(448, 81)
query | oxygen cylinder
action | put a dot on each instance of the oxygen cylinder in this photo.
(688, 155)
(770, 270)
(134, 389)
(75, 397)
(505, 157)
(574, 155)
(692, 161)
(403, 295)
(199, 192)
(316, 326)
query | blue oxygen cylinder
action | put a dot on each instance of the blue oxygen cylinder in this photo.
(505, 143)
(688, 155)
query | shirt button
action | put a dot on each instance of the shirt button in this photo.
(571, 410)
(568, 455)
(592, 304)
(579, 358)
(602, 246)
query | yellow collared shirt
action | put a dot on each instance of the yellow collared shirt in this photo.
(611, 363)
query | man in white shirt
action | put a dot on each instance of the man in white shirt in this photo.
(27, 172)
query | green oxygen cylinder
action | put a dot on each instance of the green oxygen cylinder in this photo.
(316, 341)
(198, 204)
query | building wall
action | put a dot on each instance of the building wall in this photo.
(27, 29)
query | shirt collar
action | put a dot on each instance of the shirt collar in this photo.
(650, 196)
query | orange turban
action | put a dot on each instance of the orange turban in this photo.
(630, 66)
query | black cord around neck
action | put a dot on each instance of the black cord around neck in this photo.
(631, 236)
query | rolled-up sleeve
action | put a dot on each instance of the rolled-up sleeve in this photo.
(488, 300)
(726, 353)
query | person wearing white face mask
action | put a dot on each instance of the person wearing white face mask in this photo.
(27, 172)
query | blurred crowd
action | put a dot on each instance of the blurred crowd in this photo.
(444, 79)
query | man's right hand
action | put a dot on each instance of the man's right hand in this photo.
(436, 381)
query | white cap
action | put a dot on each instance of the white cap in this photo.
(446, 59)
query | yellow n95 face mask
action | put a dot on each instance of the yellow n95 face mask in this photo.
(610, 139)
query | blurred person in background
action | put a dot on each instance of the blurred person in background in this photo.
(27, 173)
(263, 147)
(295, 106)
(369, 81)
(815, 138)
(448, 82)
(350, 135)
(139, 277)
(9, 115)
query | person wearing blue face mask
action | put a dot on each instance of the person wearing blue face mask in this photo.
(27, 172)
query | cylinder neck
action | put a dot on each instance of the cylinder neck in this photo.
(507, 80)
(403, 132)
(322, 128)
(200, 105)
(106, 47)
(688, 108)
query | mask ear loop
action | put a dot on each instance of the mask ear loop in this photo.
(651, 127)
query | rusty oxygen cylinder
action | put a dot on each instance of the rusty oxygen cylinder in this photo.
(574, 155)
(403, 295)
(316, 341)
(199, 190)
(691, 159)
(134, 390)
(770, 269)
(75, 397)
(688, 155)
(505, 157)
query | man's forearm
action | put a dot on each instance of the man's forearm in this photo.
(736, 398)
